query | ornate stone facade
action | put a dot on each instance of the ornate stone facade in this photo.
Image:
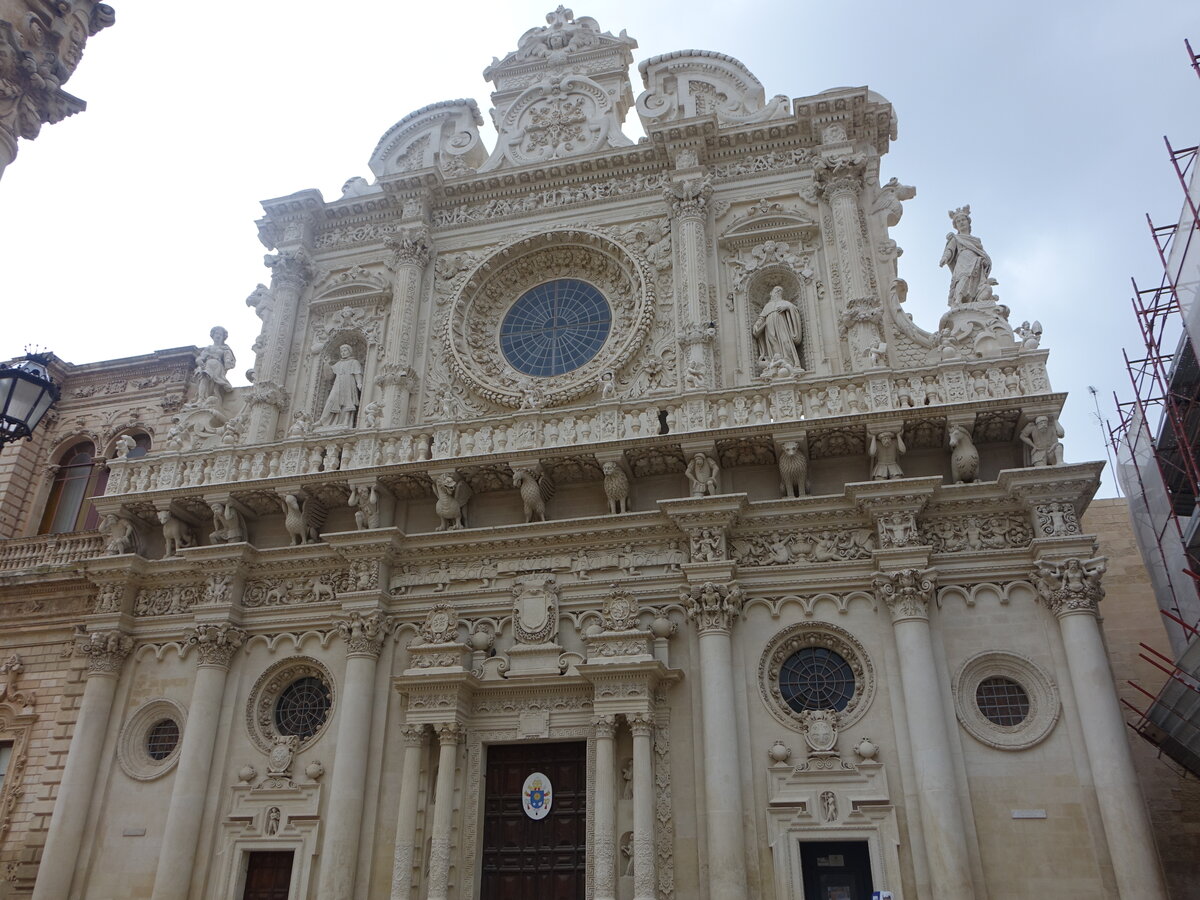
(628, 447)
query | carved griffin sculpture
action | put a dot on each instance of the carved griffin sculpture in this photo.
(536, 488)
(303, 518)
(453, 494)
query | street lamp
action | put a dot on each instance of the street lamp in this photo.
(26, 395)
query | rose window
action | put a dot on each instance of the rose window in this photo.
(302, 707)
(816, 678)
(555, 327)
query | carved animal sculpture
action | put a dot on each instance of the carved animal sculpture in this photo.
(321, 591)
(616, 488)
(452, 497)
(536, 488)
(303, 520)
(964, 458)
(793, 470)
(176, 533)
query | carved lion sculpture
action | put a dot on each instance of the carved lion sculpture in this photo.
(616, 488)
(793, 470)
(176, 533)
(964, 458)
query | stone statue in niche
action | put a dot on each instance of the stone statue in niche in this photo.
(793, 470)
(969, 263)
(228, 526)
(964, 458)
(778, 331)
(342, 402)
(885, 451)
(212, 364)
(272, 826)
(1042, 436)
(829, 806)
(703, 475)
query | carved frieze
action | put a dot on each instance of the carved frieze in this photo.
(788, 548)
(955, 534)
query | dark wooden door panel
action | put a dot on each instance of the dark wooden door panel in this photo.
(523, 858)
(268, 875)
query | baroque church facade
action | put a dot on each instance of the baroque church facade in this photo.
(596, 524)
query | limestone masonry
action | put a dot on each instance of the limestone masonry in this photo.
(596, 524)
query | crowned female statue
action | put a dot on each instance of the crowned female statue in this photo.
(969, 263)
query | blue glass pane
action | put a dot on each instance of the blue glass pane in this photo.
(555, 327)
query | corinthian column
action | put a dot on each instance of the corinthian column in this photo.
(215, 646)
(105, 652)
(1072, 591)
(410, 254)
(642, 726)
(603, 840)
(416, 739)
(364, 634)
(840, 181)
(688, 200)
(448, 734)
(290, 273)
(907, 593)
(714, 607)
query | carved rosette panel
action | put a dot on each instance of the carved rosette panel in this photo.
(471, 337)
(557, 117)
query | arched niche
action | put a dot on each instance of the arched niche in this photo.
(800, 289)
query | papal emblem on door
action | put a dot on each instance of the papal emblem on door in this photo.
(537, 796)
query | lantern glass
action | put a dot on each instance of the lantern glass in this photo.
(26, 395)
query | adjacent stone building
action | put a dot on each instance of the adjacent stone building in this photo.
(596, 524)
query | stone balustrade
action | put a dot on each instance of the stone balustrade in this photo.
(49, 550)
(790, 399)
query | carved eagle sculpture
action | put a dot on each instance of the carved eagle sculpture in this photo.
(616, 488)
(453, 494)
(303, 517)
(536, 488)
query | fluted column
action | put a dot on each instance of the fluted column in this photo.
(215, 646)
(604, 816)
(1072, 591)
(105, 652)
(688, 199)
(410, 251)
(907, 593)
(416, 739)
(290, 273)
(642, 726)
(841, 181)
(714, 607)
(449, 734)
(364, 634)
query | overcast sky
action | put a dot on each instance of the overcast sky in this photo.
(130, 227)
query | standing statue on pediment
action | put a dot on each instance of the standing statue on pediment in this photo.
(342, 402)
(969, 263)
(778, 330)
(211, 365)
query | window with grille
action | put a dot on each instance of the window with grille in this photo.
(162, 739)
(1002, 701)
(816, 678)
(302, 707)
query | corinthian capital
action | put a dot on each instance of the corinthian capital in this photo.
(689, 197)
(843, 175)
(712, 606)
(289, 269)
(364, 633)
(410, 247)
(1072, 585)
(105, 651)
(216, 644)
(906, 592)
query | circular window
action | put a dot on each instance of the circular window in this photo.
(816, 678)
(293, 698)
(148, 745)
(1005, 700)
(302, 708)
(1002, 701)
(555, 328)
(807, 667)
(162, 739)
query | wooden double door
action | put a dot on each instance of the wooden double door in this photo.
(524, 858)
